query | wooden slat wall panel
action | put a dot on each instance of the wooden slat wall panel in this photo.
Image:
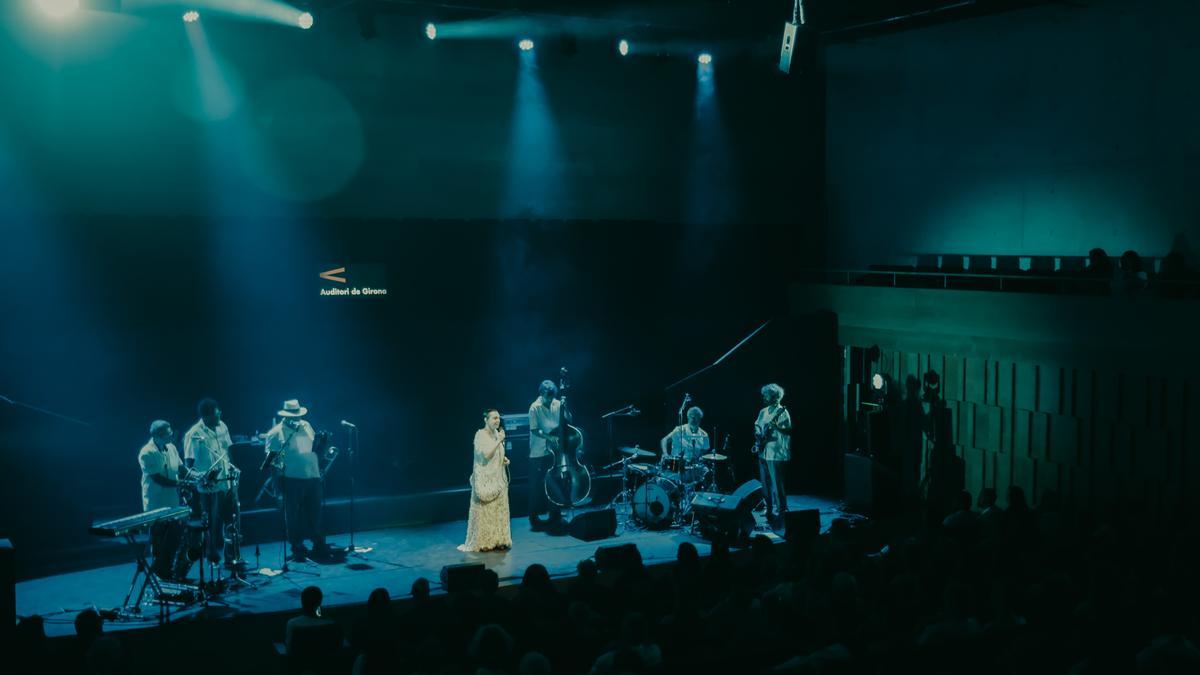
(952, 383)
(1039, 436)
(975, 381)
(987, 428)
(1026, 386)
(1064, 440)
(1005, 393)
(1049, 386)
(1092, 435)
(1021, 430)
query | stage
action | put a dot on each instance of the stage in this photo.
(396, 558)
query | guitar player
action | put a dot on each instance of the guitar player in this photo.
(773, 441)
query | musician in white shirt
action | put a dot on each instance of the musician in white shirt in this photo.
(206, 453)
(687, 440)
(545, 416)
(160, 465)
(292, 438)
(774, 425)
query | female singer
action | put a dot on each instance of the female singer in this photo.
(488, 524)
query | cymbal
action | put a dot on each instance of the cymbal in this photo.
(637, 452)
(713, 457)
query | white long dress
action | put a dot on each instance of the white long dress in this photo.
(488, 523)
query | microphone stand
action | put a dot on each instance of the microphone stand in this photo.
(627, 411)
(351, 447)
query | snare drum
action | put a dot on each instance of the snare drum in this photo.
(673, 464)
(655, 502)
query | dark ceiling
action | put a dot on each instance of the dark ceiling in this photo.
(727, 19)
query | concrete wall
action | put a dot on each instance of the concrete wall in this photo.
(1043, 131)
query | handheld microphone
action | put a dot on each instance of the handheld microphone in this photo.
(347, 424)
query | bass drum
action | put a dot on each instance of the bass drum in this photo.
(655, 502)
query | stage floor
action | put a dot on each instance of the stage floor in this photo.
(398, 556)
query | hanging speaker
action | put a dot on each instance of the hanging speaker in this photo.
(789, 46)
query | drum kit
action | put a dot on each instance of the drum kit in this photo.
(659, 495)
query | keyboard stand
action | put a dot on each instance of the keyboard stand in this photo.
(149, 578)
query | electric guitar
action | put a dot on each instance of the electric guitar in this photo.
(766, 433)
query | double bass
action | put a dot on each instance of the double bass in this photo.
(568, 483)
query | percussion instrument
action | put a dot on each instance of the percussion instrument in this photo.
(656, 502)
(640, 473)
(673, 464)
(694, 474)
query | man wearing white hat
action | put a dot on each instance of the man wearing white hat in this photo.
(293, 438)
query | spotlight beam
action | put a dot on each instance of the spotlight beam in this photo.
(271, 11)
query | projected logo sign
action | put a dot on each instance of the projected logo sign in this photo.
(352, 281)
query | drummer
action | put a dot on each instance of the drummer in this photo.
(686, 441)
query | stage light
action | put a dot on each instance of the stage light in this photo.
(58, 8)
(191, 16)
(525, 44)
(704, 59)
(623, 47)
(305, 20)
(877, 381)
(430, 31)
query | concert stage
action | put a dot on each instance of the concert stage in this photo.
(397, 557)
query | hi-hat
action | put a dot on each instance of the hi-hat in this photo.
(713, 457)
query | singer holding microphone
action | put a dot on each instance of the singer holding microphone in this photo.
(292, 438)
(489, 527)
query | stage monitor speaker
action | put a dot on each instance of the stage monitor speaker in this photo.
(728, 516)
(594, 525)
(462, 577)
(801, 525)
(8, 591)
(617, 558)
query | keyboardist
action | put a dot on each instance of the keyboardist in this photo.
(160, 470)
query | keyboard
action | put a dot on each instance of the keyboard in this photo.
(122, 526)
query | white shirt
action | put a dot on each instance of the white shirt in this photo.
(779, 446)
(155, 462)
(686, 443)
(299, 460)
(547, 420)
(206, 447)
